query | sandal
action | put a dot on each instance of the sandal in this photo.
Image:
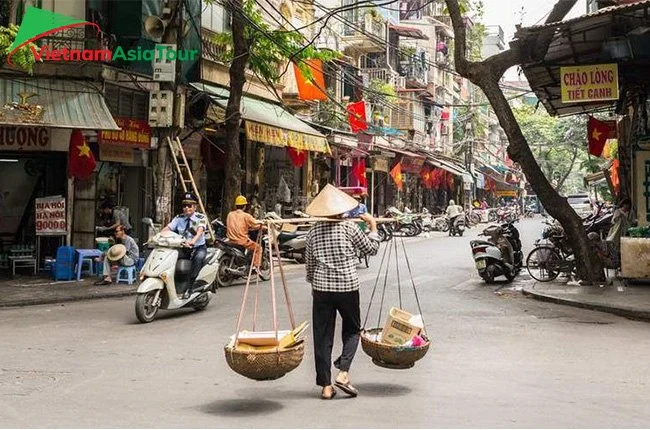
(330, 396)
(347, 388)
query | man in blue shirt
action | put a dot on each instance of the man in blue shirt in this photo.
(192, 226)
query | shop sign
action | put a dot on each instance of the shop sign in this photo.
(135, 133)
(50, 216)
(24, 139)
(379, 164)
(275, 136)
(412, 164)
(117, 154)
(506, 193)
(581, 84)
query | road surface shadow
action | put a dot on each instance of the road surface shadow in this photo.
(241, 407)
(375, 389)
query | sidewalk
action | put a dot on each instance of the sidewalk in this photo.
(27, 290)
(631, 301)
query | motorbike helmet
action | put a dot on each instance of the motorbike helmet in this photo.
(240, 201)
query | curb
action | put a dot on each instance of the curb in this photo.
(51, 301)
(629, 313)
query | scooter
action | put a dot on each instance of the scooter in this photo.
(457, 225)
(489, 260)
(292, 245)
(235, 262)
(165, 277)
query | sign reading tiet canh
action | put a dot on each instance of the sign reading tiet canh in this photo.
(593, 83)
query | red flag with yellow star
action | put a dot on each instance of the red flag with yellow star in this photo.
(81, 161)
(598, 132)
(396, 174)
(359, 171)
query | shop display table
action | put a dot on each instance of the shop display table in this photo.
(85, 253)
(22, 261)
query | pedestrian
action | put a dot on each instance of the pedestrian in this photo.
(124, 253)
(621, 221)
(117, 217)
(331, 256)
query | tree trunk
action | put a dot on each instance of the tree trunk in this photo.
(233, 172)
(486, 75)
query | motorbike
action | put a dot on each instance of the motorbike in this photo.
(235, 262)
(292, 244)
(457, 225)
(488, 257)
(406, 224)
(165, 277)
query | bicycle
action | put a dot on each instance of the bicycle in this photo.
(549, 259)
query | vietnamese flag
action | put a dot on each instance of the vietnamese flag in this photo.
(359, 171)
(357, 116)
(311, 89)
(426, 176)
(598, 132)
(81, 161)
(396, 174)
(297, 156)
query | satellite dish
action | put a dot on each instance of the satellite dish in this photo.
(154, 27)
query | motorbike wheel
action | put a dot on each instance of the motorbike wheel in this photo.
(223, 278)
(201, 302)
(492, 216)
(265, 268)
(475, 218)
(488, 275)
(145, 309)
(442, 225)
(409, 230)
(510, 276)
(300, 259)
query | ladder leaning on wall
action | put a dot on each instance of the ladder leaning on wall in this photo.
(186, 178)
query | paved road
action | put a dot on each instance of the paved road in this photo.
(498, 360)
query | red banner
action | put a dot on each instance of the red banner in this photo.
(135, 133)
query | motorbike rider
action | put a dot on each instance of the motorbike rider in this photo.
(238, 223)
(192, 226)
(453, 211)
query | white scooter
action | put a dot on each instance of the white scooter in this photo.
(164, 277)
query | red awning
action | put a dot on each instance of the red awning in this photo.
(410, 32)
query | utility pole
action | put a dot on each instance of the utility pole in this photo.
(164, 179)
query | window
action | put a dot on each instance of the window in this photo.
(125, 102)
(215, 18)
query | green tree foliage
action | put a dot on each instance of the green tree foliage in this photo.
(270, 49)
(559, 145)
(24, 57)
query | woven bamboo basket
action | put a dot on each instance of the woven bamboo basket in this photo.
(389, 356)
(265, 365)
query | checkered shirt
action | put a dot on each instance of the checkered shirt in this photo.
(331, 255)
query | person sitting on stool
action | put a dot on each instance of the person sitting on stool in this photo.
(125, 253)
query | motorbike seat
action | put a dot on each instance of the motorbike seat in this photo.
(285, 236)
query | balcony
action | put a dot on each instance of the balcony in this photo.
(366, 34)
(385, 75)
(79, 38)
(211, 50)
(415, 70)
(416, 10)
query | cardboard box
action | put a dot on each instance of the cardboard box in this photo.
(398, 329)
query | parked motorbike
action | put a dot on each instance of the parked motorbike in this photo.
(488, 256)
(292, 245)
(457, 225)
(405, 225)
(165, 277)
(235, 262)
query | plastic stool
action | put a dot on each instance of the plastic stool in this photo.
(126, 274)
(91, 266)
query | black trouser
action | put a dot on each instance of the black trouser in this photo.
(325, 306)
(197, 255)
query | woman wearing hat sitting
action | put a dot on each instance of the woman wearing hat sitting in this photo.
(125, 253)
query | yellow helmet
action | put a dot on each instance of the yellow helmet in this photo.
(241, 201)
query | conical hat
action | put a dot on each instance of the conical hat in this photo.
(116, 252)
(330, 202)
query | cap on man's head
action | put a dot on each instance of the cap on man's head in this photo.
(190, 198)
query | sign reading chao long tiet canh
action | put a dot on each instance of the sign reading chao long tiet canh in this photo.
(593, 83)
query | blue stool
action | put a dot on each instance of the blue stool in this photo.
(89, 265)
(126, 274)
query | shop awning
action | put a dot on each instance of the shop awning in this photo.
(53, 103)
(410, 32)
(269, 123)
(449, 166)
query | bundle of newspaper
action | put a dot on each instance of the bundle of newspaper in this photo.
(267, 340)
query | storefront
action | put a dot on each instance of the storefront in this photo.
(37, 117)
